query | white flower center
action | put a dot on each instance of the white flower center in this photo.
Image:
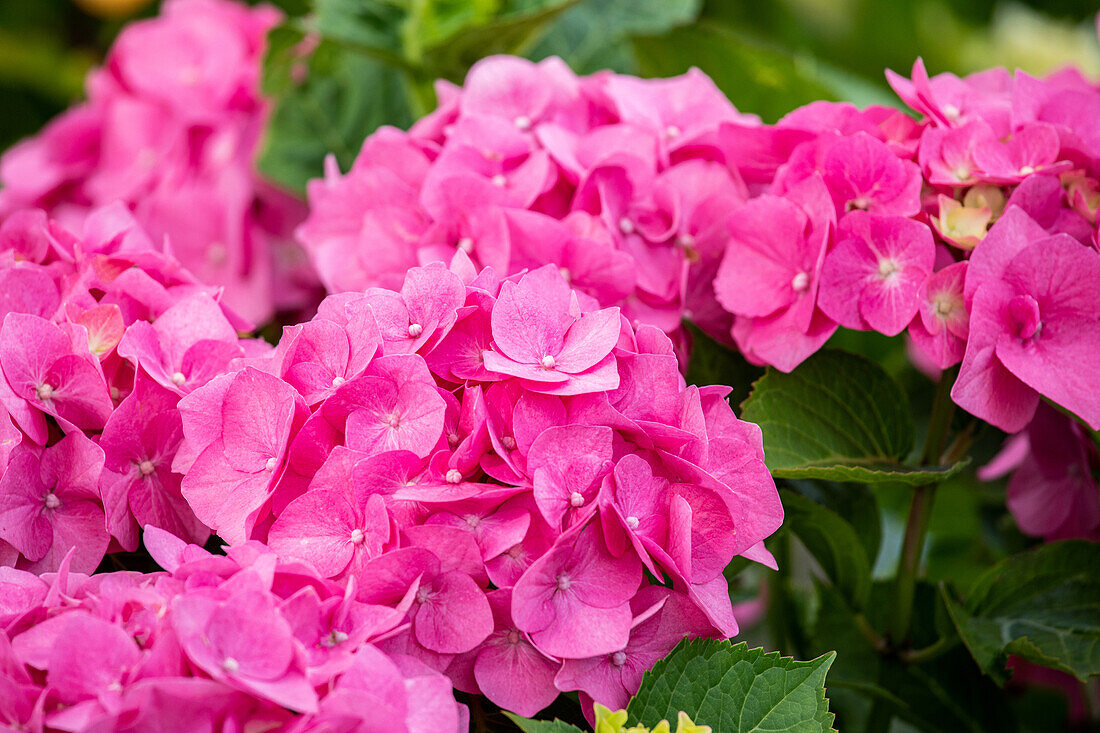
(618, 658)
(415, 329)
(334, 637)
(499, 181)
(632, 522)
(800, 282)
(231, 665)
(576, 499)
(357, 536)
(51, 501)
(626, 226)
(466, 245)
(44, 392)
(454, 476)
(146, 467)
(508, 442)
(523, 122)
(178, 379)
(338, 381)
(887, 268)
(672, 131)
(548, 362)
(271, 463)
(564, 582)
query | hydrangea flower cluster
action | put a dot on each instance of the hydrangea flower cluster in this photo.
(214, 642)
(516, 468)
(974, 230)
(618, 181)
(101, 333)
(170, 127)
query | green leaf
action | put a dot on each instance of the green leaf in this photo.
(514, 32)
(833, 542)
(595, 34)
(326, 102)
(1043, 605)
(713, 363)
(733, 688)
(855, 503)
(948, 693)
(437, 37)
(838, 417)
(541, 726)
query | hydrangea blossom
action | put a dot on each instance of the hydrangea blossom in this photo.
(612, 179)
(507, 502)
(170, 127)
(213, 642)
(973, 229)
(101, 333)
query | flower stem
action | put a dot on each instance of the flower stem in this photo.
(920, 511)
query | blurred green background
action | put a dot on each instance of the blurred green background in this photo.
(768, 56)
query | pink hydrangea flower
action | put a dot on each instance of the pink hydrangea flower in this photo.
(50, 504)
(872, 276)
(170, 128)
(1034, 319)
(770, 275)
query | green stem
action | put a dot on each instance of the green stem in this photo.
(940, 646)
(920, 511)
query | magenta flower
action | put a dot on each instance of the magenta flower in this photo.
(577, 584)
(771, 272)
(331, 530)
(1034, 320)
(139, 488)
(942, 328)
(539, 337)
(863, 174)
(185, 347)
(509, 669)
(1052, 493)
(47, 374)
(873, 275)
(242, 641)
(50, 504)
(567, 465)
(240, 438)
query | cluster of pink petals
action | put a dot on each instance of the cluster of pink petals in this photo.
(239, 642)
(1052, 491)
(507, 463)
(101, 334)
(620, 182)
(974, 229)
(170, 128)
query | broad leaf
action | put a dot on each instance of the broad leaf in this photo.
(595, 34)
(855, 503)
(838, 417)
(1043, 605)
(833, 542)
(948, 693)
(326, 101)
(437, 37)
(542, 726)
(733, 688)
